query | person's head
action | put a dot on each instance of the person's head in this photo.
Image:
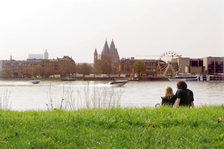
(181, 85)
(168, 92)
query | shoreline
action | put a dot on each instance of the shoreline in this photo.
(85, 79)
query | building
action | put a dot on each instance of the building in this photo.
(188, 65)
(35, 56)
(108, 51)
(196, 66)
(109, 56)
(1, 65)
(206, 65)
(180, 65)
(38, 56)
(46, 55)
(37, 67)
(213, 65)
(126, 66)
(183, 64)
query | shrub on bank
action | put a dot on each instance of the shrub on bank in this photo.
(163, 127)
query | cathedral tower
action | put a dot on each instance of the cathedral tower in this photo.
(105, 50)
(45, 54)
(113, 53)
(109, 57)
(95, 55)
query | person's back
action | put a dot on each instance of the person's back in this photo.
(184, 96)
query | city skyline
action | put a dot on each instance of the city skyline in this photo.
(139, 28)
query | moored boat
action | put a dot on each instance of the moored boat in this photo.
(183, 78)
(198, 78)
(216, 77)
(68, 79)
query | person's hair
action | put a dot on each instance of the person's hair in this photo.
(169, 92)
(181, 85)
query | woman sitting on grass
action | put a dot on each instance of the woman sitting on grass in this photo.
(169, 97)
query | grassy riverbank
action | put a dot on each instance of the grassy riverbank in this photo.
(114, 128)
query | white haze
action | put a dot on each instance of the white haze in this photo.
(141, 28)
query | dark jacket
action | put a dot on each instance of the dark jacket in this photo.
(186, 97)
(169, 102)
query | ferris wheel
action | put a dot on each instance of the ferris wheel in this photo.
(167, 65)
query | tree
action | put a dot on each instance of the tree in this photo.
(97, 66)
(67, 68)
(139, 67)
(38, 70)
(84, 69)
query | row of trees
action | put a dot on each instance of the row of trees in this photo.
(105, 67)
(66, 68)
(84, 69)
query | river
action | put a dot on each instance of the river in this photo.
(73, 95)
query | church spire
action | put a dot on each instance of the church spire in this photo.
(95, 56)
(106, 49)
(112, 45)
(113, 53)
(95, 52)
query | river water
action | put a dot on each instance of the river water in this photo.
(72, 95)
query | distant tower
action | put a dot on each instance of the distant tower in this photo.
(106, 50)
(108, 53)
(113, 53)
(45, 54)
(95, 55)
(10, 57)
(95, 59)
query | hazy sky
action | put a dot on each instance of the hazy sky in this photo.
(140, 28)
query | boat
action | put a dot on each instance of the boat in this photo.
(118, 83)
(35, 81)
(68, 79)
(216, 77)
(183, 78)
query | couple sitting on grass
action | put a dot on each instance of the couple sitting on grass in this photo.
(183, 96)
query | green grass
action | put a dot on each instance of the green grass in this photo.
(163, 127)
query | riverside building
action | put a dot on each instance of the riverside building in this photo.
(126, 66)
(189, 65)
(37, 67)
(181, 65)
(206, 65)
(213, 65)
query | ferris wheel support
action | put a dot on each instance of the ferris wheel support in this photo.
(165, 67)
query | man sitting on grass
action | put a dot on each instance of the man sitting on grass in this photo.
(184, 96)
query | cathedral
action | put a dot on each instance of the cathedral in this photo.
(108, 53)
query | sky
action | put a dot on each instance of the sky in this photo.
(139, 28)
